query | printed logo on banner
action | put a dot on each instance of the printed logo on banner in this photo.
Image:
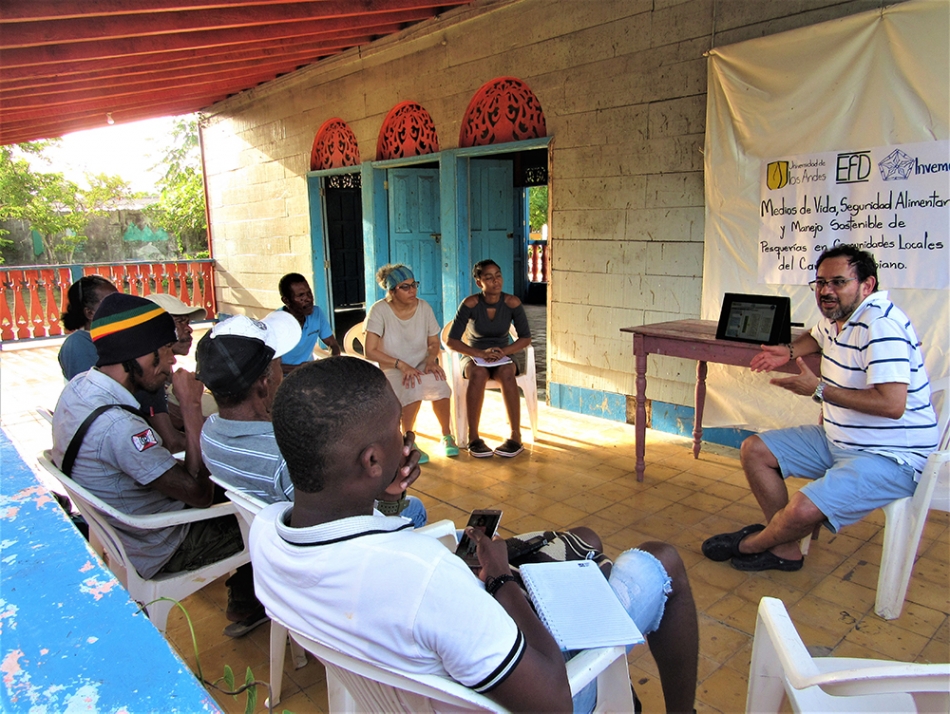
(896, 166)
(144, 440)
(777, 174)
(891, 201)
(854, 167)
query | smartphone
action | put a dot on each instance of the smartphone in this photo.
(487, 522)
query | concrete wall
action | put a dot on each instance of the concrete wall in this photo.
(623, 87)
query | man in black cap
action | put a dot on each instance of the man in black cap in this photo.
(121, 460)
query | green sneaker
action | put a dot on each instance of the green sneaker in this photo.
(424, 459)
(449, 447)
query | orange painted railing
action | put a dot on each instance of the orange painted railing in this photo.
(539, 262)
(32, 297)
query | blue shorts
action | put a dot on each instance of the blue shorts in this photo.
(847, 484)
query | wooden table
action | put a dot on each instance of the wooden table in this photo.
(691, 339)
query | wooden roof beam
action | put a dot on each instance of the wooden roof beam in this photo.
(99, 29)
(130, 47)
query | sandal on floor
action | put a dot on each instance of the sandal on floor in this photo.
(449, 447)
(509, 449)
(479, 449)
(766, 560)
(724, 546)
(252, 621)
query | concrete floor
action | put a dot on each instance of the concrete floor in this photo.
(581, 472)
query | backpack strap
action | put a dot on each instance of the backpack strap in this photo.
(72, 451)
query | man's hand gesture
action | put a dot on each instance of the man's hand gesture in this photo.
(770, 358)
(804, 383)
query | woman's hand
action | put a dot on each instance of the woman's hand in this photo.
(410, 375)
(433, 367)
(493, 355)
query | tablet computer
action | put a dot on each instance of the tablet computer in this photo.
(757, 319)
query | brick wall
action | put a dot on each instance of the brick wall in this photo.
(623, 87)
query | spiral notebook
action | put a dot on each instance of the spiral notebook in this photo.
(576, 603)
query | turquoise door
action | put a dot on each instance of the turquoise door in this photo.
(414, 234)
(492, 217)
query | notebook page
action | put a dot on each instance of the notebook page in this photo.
(576, 603)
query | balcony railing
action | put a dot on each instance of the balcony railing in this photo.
(32, 297)
(539, 261)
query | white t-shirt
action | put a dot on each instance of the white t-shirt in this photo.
(374, 589)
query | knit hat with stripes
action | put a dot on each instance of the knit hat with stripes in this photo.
(126, 327)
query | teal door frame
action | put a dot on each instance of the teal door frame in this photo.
(455, 218)
(320, 283)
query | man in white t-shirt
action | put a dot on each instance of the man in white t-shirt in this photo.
(332, 567)
(878, 426)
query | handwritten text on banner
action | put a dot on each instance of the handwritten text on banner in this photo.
(893, 201)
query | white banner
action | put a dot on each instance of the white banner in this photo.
(892, 201)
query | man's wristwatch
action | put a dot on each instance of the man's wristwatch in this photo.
(819, 395)
(393, 508)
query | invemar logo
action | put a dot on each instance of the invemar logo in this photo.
(777, 175)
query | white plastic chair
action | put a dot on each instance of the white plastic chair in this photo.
(904, 519)
(172, 585)
(353, 341)
(354, 685)
(46, 414)
(528, 382)
(781, 666)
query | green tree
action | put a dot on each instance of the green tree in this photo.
(181, 205)
(58, 209)
(537, 207)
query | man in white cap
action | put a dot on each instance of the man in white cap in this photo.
(183, 315)
(239, 360)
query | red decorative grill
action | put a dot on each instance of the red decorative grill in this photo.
(334, 146)
(504, 109)
(407, 130)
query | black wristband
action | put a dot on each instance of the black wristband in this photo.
(493, 585)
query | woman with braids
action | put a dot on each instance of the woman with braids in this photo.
(484, 320)
(402, 337)
(78, 353)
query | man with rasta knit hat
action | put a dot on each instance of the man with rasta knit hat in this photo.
(102, 440)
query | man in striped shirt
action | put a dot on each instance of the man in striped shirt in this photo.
(239, 360)
(878, 426)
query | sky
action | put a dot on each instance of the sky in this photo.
(126, 150)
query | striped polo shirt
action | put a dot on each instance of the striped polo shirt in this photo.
(878, 345)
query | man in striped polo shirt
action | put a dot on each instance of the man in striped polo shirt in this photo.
(878, 426)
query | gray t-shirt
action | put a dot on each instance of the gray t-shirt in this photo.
(406, 340)
(120, 456)
(244, 454)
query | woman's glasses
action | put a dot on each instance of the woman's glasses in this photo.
(408, 286)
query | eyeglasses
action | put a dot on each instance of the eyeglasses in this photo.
(408, 286)
(835, 283)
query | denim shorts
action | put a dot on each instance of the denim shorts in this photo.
(847, 484)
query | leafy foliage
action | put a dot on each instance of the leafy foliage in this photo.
(58, 209)
(181, 206)
(537, 207)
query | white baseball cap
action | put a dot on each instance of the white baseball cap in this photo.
(280, 330)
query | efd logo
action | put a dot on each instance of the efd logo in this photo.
(777, 175)
(854, 167)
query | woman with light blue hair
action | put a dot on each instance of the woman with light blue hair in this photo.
(402, 337)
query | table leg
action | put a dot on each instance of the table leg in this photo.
(640, 426)
(699, 403)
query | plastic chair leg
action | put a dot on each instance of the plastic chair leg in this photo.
(897, 559)
(278, 647)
